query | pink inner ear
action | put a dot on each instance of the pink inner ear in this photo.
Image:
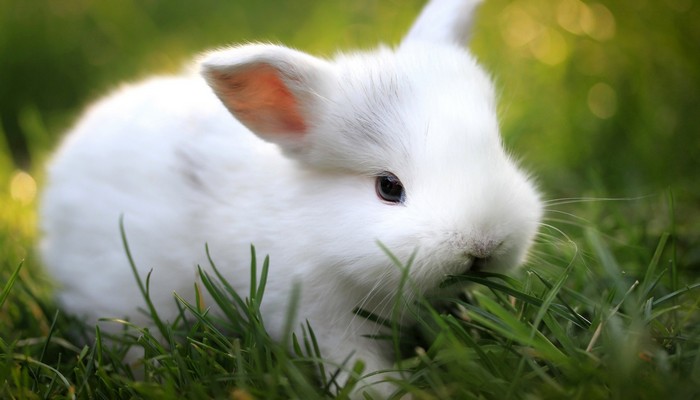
(261, 100)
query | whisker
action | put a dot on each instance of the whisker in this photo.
(379, 284)
(565, 213)
(574, 200)
(561, 232)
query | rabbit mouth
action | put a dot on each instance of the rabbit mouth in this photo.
(459, 278)
(474, 264)
(479, 264)
(470, 264)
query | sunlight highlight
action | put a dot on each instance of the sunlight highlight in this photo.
(22, 187)
(550, 47)
(518, 28)
(594, 20)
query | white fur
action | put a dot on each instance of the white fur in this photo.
(444, 21)
(169, 157)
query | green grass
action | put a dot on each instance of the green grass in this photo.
(607, 307)
(593, 315)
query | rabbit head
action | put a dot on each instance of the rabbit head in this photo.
(416, 124)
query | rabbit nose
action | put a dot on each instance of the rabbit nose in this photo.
(480, 253)
(483, 249)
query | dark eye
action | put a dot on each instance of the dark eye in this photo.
(390, 189)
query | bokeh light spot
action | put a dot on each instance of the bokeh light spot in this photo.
(602, 100)
(568, 15)
(594, 20)
(550, 47)
(598, 22)
(22, 187)
(518, 28)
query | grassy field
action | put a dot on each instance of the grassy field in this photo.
(599, 101)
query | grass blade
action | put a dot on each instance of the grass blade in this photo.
(10, 282)
(143, 288)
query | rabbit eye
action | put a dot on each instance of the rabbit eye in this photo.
(390, 189)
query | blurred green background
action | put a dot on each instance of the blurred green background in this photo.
(597, 98)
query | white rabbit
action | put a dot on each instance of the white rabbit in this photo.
(313, 161)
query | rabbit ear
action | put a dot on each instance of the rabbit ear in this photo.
(272, 90)
(444, 21)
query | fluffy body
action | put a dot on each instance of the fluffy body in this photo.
(168, 156)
